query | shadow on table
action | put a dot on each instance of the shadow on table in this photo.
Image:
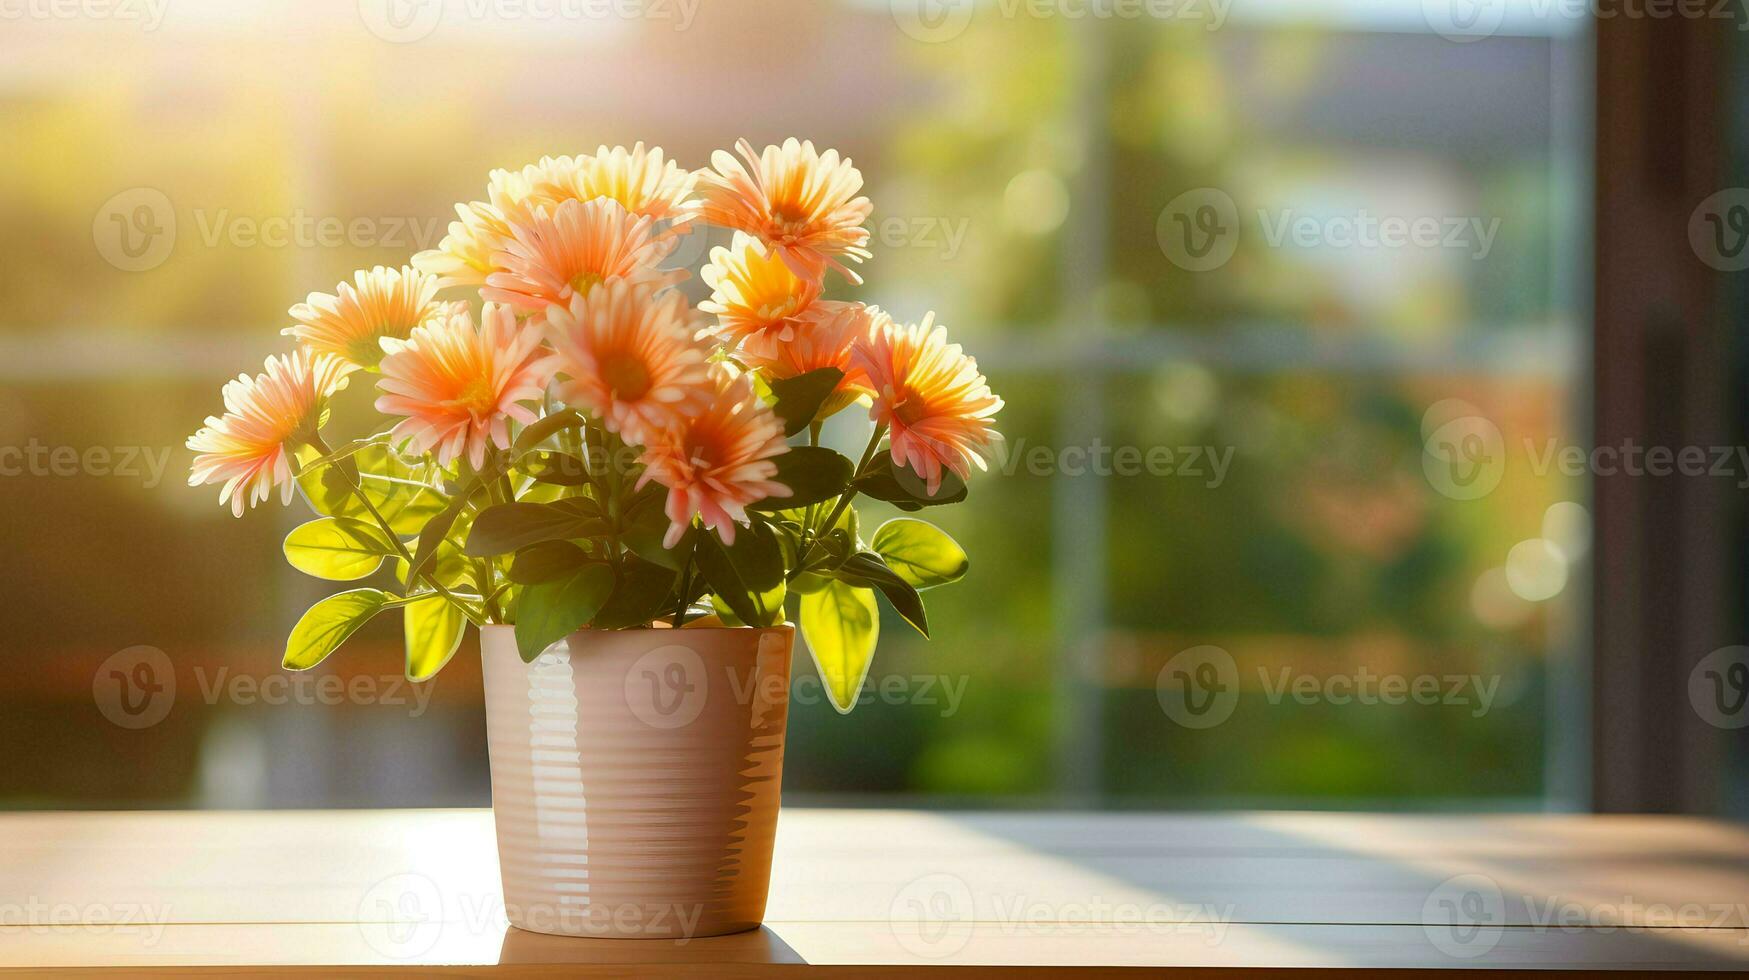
(1446, 882)
(760, 946)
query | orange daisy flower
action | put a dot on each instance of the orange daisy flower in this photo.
(573, 248)
(824, 338)
(266, 418)
(351, 324)
(641, 180)
(718, 460)
(929, 394)
(459, 386)
(464, 257)
(630, 353)
(754, 292)
(800, 203)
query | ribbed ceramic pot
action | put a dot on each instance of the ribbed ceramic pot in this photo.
(635, 778)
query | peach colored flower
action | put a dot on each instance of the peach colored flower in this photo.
(376, 304)
(266, 418)
(718, 460)
(754, 292)
(630, 354)
(641, 180)
(464, 257)
(930, 395)
(800, 203)
(459, 386)
(573, 248)
(824, 338)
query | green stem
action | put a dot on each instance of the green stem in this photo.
(844, 499)
(475, 616)
(685, 587)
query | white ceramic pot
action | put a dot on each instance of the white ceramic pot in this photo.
(636, 776)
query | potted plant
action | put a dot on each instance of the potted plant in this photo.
(624, 492)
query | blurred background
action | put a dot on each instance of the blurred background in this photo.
(1290, 303)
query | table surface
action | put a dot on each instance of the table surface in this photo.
(875, 892)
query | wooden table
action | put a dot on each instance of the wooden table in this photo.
(868, 892)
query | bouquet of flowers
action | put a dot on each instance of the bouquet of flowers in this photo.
(586, 449)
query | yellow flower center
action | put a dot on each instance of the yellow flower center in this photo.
(625, 375)
(478, 397)
(910, 409)
(583, 282)
(367, 351)
(788, 220)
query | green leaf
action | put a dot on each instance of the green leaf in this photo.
(641, 594)
(327, 624)
(431, 536)
(541, 429)
(559, 469)
(841, 625)
(400, 490)
(904, 488)
(337, 548)
(921, 553)
(724, 578)
(504, 528)
(812, 473)
(867, 569)
(432, 627)
(550, 611)
(645, 526)
(797, 400)
(757, 555)
(545, 561)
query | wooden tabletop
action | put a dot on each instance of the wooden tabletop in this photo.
(873, 892)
